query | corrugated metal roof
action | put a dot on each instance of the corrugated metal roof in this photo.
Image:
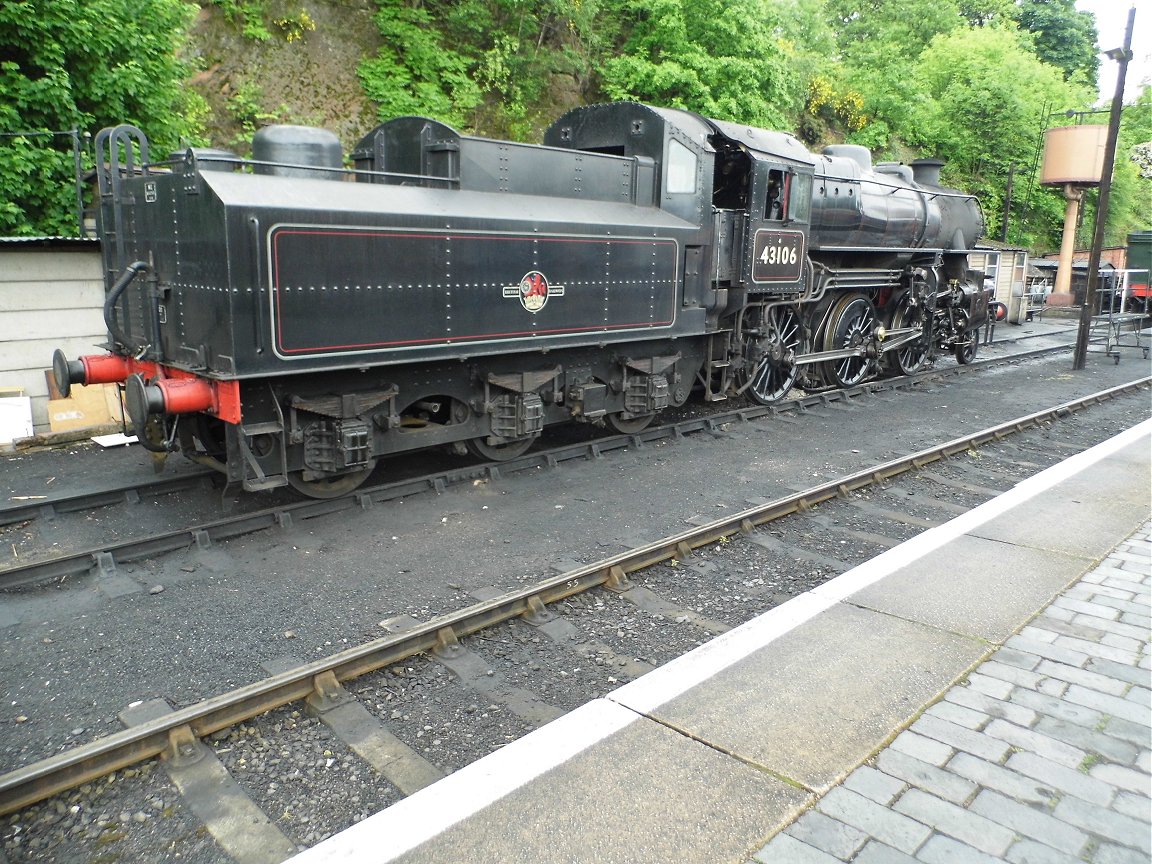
(49, 242)
(996, 246)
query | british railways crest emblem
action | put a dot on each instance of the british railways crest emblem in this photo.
(533, 291)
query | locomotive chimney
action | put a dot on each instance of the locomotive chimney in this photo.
(926, 172)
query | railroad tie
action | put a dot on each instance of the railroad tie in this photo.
(960, 485)
(363, 732)
(774, 544)
(241, 828)
(870, 509)
(654, 604)
(477, 674)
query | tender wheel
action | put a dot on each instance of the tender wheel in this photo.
(850, 325)
(913, 356)
(202, 441)
(211, 434)
(498, 452)
(629, 425)
(966, 351)
(775, 372)
(330, 487)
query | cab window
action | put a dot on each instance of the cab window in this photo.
(800, 202)
(776, 200)
(681, 168)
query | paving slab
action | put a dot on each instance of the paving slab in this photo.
(711, 757)
(631, 790)
(1106, 500)
(949, 588)
(824, 696)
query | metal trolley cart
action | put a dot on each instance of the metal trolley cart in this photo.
(1123, 313)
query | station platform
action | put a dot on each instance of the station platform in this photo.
(979, 693)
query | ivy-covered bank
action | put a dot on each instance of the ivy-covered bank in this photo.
(972, 81)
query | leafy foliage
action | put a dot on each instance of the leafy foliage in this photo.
(722, 59)
(1136, 133)
(974, 81)
(484, 65)
(987, 100)
(520, 49)
(1131, 196)
(879, 42)
(1062, 36)
(981, 13)
(416, 71)
(249, 14)
(81, 64)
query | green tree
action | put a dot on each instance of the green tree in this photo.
(417, 70)
(721, 59)
(1063, 36)
(531, 58)
(1135, 140)
(82, 64)
(1130, 201)
(986, 100)
(809, 44)
(879, 43)
(981, 13)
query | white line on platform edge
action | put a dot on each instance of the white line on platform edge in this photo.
(421, 816)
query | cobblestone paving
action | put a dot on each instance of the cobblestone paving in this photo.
(1041, 757)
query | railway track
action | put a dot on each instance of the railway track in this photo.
(586, 628)
(104, 558)
(27, 509)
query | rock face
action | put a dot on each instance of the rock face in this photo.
(304, 72)
(298, 64)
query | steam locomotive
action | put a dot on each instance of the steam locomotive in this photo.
(289, 320)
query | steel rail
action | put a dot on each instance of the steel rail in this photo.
(319, 678)
(50, 506)
(105, 558)
(33, 507)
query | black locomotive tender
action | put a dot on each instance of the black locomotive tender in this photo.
(290, 321)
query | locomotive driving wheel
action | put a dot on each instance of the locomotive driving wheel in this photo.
(851, 324)
(913, 356)
(330, 487)
(775, 370)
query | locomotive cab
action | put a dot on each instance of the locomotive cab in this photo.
(762, 206)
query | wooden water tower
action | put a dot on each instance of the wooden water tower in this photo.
(1074, 160)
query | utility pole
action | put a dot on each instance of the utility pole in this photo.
(1122, 55)
(1007, 204)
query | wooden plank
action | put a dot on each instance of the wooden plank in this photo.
(32, 326)
(37, 353)
(28, 296)
(50, 265)
(31, 381)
